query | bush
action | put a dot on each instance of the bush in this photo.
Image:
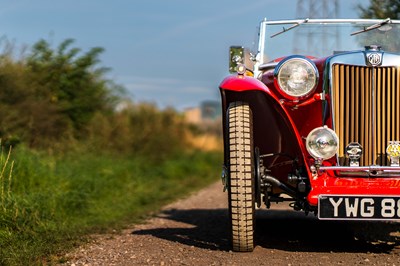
(139, 129)
(52, 94)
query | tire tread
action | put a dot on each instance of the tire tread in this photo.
(241, 198)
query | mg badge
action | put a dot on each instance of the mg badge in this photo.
(374, 59)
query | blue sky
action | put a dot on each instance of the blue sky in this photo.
(172, 53)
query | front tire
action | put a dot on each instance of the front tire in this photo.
(241, 176)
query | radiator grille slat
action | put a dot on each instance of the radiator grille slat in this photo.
(371, 118)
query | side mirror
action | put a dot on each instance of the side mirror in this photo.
(238, 55)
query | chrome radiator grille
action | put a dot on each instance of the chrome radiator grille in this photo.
(366, 108)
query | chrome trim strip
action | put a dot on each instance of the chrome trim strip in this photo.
(261, 48)
(361, 168)
(363, 171)
(373, 114)
(326, 21)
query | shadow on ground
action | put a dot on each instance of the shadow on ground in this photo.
(279, 229)
(203, 228)
(293, 231)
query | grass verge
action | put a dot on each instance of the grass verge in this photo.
(50, 202)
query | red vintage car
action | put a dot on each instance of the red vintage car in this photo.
(313, 117)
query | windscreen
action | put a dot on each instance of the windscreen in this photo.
(325, 39)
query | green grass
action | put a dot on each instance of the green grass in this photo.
(50, 202)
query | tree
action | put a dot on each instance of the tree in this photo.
(69, 80)
(381, 9)
(52, 94)
(384, 37)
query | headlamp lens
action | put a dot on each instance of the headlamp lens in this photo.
(297, 77)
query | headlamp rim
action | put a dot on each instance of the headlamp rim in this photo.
(282, 63)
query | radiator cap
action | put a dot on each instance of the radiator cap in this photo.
(373, 47)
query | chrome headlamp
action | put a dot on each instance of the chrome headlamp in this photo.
(296, 76)
(322, 143)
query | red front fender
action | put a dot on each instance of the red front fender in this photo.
(243, 83)
(274, 129)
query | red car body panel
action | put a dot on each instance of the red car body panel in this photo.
(328, 184)
(243, 83)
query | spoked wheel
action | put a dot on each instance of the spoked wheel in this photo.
(241, 176)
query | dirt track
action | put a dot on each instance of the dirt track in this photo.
(194, 231)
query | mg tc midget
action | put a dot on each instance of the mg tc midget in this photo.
(312, 116)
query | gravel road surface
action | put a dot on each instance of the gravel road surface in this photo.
(194, 231)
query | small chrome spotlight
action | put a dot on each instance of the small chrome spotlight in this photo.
(322, 143)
